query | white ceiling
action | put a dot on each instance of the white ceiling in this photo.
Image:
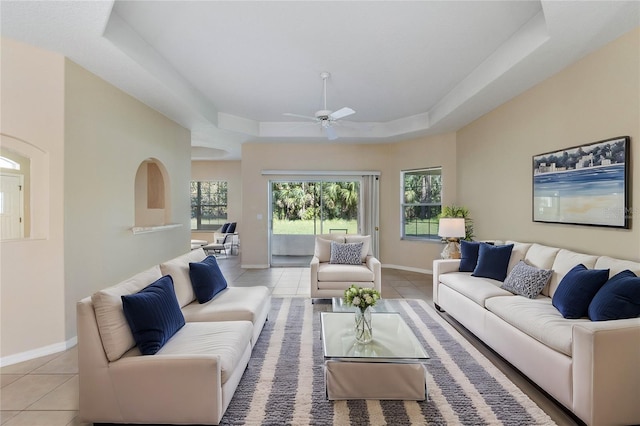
(228, 70)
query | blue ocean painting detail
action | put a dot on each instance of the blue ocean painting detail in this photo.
(589, 194)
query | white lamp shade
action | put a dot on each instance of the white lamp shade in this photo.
(452, 228)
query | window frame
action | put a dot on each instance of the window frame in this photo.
(197, 206)
(432, 235)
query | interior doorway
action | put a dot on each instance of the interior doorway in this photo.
(302, 209)
(11, 206)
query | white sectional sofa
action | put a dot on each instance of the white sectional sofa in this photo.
(592, 368)
(192, 378)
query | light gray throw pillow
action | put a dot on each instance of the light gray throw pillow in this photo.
(527, 280)
(346, 253)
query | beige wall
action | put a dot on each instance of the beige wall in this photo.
(389, 159)
(86, 140)
(432, 151)
(596, 98)
(108, 135)
(32, 271)
(224, 171)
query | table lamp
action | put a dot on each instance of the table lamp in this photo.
(451, 229)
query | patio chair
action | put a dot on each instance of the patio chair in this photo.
(219, 246)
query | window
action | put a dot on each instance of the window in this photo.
(208, 205)
(7, 163)
(421, 203)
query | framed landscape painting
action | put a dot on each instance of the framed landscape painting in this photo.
(583, 185)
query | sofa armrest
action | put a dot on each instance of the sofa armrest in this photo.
(375, 266)
(313, 266)
(167, 387)
(606, 377)
(442, 266)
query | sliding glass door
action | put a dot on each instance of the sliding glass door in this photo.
(305, 208)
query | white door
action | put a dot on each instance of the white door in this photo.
(11, 207)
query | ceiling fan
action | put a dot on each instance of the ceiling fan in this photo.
(326, 118)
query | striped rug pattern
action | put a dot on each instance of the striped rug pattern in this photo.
(284, 382)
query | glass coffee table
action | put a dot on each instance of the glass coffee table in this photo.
(392, 366)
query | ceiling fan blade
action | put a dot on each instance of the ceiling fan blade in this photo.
(342, 112)
(306, 117)
(331, 133)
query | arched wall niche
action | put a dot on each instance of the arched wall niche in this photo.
(34, 167)
(152, 195)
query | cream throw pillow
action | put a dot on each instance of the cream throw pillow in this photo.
(322, 250)
(366, 244)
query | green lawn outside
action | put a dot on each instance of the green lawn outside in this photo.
(421, 227)
(310, 227)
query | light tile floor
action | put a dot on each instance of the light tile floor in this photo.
(44, 391)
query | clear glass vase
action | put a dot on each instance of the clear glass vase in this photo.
(363, 326)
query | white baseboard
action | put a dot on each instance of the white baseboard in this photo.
(408, 268)
(39, 352)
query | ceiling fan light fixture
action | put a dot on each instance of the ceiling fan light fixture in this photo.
(325, 116)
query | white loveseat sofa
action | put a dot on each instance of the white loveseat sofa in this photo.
(192, 378)
(330, 279)
(592, 368)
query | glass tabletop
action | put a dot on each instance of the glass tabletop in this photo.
(338, 305)
(393, 340)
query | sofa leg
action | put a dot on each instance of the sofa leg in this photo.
(438, 308)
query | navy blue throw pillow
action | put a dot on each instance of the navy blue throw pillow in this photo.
(619, 298)
(224, 228)
(493, 261)
(468, 255)
(576, 290)
(232, 228)
(206, 279)
(153, 315)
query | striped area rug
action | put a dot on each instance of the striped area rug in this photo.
(284, 381)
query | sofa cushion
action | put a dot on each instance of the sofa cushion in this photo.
(576, 290)
(526, 280)
(541, 257)
(114, 330)
(468, 255)
(366, 244)
(475, 288)
(616, 266)
(493, 261)
(231, 304)
(619, 298)
(346, 253)
(518, 253)
(323, 245)
(344, 273)
(565, 261)
(538, 319)
(153, 315)
(227, 341)
(178, 268)
(322, 249)
(206, 279)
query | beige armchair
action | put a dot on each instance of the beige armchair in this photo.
(331, 279)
